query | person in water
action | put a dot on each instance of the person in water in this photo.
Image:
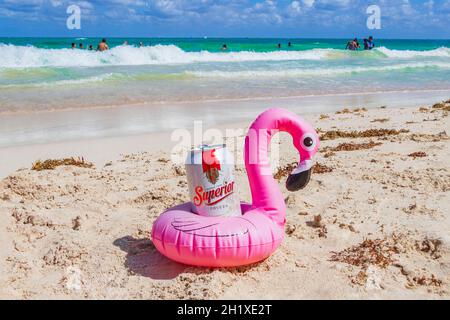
(224, 47)
(74, 46)
(91, 47)
(279, 46)
(289, 44)
(366, 44)
(353, 45)
(350, 45)
(102, 46)
(80, 46)
(370, 43)
(141, 44)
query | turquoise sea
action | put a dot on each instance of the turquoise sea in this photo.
(45, 74)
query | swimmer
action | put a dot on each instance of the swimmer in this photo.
(353, 45)
(279, 46)
(81, 46)
(91, 47)
(74, 46)
(370, 43)
(102, 46)
(224, 47)
(141, 44)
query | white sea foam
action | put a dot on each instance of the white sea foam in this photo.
(26, 57)
(93, 79)
(29, 57)
(440, 52)
(316, 72)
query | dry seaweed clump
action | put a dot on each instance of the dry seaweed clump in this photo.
(427, 281)
(370, 252)
(321, 169)
(52, 164)
(283, 172)
(344, 111)
(442, 106)
(382, 120)
(355, 146)
(372, 133)
(348, 111)
(419, 154)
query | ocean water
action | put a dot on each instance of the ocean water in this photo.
(40, 74)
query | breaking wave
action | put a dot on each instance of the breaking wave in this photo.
(318, 72)
(32, 57)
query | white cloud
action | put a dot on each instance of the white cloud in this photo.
(308, 3)
(294, 7)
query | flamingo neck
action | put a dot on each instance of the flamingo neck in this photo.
(266, 193)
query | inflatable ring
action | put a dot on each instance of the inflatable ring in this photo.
(196, 240)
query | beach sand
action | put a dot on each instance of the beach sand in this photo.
(373, 223)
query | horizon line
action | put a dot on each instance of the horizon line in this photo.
(216, 37)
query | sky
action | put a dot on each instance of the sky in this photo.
(426, 19)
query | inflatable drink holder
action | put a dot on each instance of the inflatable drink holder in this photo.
(253, 236)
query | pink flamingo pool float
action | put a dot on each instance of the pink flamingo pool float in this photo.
(196, 240)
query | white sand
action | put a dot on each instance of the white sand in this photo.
(85, 233)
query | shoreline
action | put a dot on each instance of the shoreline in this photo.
(81, 233)
(112, 144)
(129, 120)
(212, 101)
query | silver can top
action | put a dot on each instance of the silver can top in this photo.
(217, 153)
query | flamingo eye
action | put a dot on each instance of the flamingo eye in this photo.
(308, 142)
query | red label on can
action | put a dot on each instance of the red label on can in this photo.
(210, 173)
(211, 165)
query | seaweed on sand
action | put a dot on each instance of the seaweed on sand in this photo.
(344, 111)
(444, 106)
(419, 154)
(283, 172)
(321, 169)
(383, 120)
(348, 111)
(52, 164)
(372, 133)
(370, 252)
(354, 146)
(427, 281)
(439, 105)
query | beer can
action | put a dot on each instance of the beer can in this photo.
(211, 179)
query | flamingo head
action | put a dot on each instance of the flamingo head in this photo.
(306, 141)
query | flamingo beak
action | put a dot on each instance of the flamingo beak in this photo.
(300, 177)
